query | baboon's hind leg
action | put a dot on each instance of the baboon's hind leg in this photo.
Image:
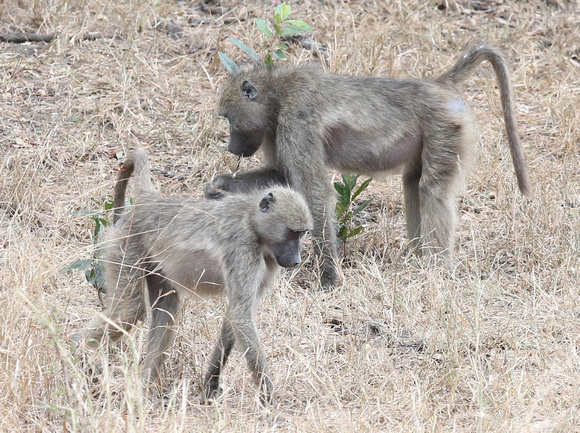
(411, 194)
(440, 179)
(125, 307)
(165, 305)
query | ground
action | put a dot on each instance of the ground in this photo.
(400, 345)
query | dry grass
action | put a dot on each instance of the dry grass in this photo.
(400, 347)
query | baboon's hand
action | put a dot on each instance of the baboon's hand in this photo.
(217, 188)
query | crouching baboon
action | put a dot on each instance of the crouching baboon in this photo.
(306, 119)
(177, 247)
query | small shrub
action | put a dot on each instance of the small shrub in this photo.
(274, 48)
(94, 272)
(346, 196)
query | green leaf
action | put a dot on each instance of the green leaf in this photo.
(228, 63)
(354, 232)
(352, 180)
(90, 276)
(281, 46)
(85, 213)
(278, 10)
(349, 182)
(96, 276)
(277, 29)
(342, 232)
(79, 264)
(361, 188)
(285, 11)
(97, 230)
(292, 30)
(298, 23)
(345, 191)
(300, 28)
(263, 27)
(278, 13)
(268, 60)
(100, 225)
(282, 12)
(109, 204)
(244, 47)
(341, 201)
(341, 209)
(343, 194)
(280, 54)
(361, 206)
(103, 222)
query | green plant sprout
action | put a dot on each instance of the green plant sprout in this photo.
(94, 272)
(275, 48)
(346, 196)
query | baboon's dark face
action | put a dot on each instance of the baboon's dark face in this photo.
(244, 143)
(281, 224)
(287, 254)
(249, 113)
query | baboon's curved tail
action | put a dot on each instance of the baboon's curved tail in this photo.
(136, 162)
(463, 69)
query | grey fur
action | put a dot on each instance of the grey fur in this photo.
(177, 246)
(306, 119)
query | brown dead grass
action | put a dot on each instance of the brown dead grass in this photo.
(400, 347)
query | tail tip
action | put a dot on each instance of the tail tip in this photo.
(526, 189)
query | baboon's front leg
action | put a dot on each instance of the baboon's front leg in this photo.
(243, 182)
(249, 342)
(321, 201)
(219, 357)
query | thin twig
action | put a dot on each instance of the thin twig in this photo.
(20, 38)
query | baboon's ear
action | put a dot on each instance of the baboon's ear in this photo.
(249, 90)
(266, 202)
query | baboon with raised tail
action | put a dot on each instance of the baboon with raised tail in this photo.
(177, 247)
(306, 120)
